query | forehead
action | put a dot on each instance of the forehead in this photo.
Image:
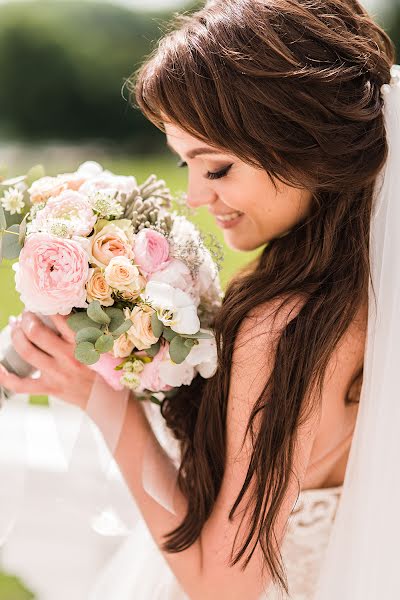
(177, 137)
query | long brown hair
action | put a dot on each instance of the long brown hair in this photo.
(292, 87)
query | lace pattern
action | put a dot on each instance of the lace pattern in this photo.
(306, 540)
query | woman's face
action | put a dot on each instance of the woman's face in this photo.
(242, 198)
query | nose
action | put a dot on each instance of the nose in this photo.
(199, 194)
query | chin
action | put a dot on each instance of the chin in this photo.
(243, 244)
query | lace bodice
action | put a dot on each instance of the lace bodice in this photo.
(305, 541)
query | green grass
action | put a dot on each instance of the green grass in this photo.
(163, 167)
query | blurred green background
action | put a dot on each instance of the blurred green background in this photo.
(62, 69)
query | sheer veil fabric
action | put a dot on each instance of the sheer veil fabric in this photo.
(362, 558)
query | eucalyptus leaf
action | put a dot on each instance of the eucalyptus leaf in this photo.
(11, 245)
(97, 314)
(86, 353)
(105, 343)
(79, 320)
(169, 334)
(200, 335)
(156, 325)
(126, 325)
(34, 174)
(117, 317)
(3, 220)
(153, 350)
(88, 334)
(177, 350)
(190, 343)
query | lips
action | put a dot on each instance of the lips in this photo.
(226, 217)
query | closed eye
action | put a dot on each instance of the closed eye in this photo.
(210, 174)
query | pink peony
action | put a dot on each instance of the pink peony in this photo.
(51, 274)
(150, 376)
(69, 207)
(151, 250)
(105, 367)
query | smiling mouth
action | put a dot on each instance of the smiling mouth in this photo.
(229, 217)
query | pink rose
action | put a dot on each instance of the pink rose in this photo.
(109, 242)
(151, 250)
(51, 274)
(150, 376)
(105, 367)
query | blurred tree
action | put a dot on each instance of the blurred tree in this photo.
(62, 67)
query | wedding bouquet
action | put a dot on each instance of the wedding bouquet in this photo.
(135, 277)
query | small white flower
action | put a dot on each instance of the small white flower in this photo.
(133, 366)
(13, 201)
(130, 380)
(105, 203)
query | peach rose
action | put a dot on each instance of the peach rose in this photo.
(122, 275)
(123, 346)
(141, 332)
(97, 288)
(109, 242)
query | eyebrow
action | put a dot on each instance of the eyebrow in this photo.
(197, 151)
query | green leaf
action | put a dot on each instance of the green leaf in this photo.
(200, 335)
(126, 325)
(97, 314)
(3, 220)
(11, 245)
(79, 320)
(155, 400)
(117, 317)
(152, 351)
(156, 325)
(88, 334)
(169, 334)
(190, 343)
(105, 343)
(85, 352)
(34, 173)
(13, 588)
(177, 350)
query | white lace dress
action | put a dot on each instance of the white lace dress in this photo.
(138, 570)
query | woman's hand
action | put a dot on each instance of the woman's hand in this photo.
(61, 374)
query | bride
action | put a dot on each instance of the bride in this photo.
(276, 109)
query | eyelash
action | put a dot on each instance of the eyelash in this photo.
(210, 175)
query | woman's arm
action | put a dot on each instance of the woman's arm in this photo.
(203, 569)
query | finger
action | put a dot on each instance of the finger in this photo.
(28, 351)
(22, 385)
(44, 338)
(61, 323)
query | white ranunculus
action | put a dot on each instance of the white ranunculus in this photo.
(203, 356)
(174, 307)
